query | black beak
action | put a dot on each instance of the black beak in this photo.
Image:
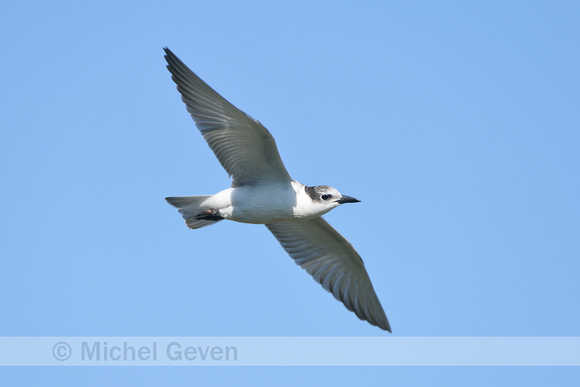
(347, 199)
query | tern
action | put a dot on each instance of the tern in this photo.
(262, 192)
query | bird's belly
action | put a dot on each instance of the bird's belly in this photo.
(262, 205)
(259, 214)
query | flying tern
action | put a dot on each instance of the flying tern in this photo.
(262, 192)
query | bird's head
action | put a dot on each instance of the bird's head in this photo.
(328, 197)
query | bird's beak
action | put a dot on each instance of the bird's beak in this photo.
(347, 199)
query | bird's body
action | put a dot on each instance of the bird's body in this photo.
(271, 203)
(263, 192)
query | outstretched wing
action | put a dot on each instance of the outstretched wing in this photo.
(332, 261)
(243, 146)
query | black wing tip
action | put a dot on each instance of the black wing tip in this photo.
(381, 323)
(381, 320)
(168, 53)
(170, 57)
(385, 326)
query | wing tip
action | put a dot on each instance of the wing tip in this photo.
(384, 325)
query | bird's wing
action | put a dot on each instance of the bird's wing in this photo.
(332, 261)
(243, 146)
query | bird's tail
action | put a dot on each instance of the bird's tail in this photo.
(192, 211)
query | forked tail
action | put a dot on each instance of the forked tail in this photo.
(190, 208)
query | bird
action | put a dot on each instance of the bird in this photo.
(262, 192)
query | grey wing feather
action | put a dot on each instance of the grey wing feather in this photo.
(332, 261)
(243, 146)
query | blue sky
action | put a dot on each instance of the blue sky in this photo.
(456, 124)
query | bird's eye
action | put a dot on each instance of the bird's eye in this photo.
(326, 197)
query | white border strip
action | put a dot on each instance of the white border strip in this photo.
(289, 351)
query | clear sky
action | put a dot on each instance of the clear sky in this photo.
(456, 123)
